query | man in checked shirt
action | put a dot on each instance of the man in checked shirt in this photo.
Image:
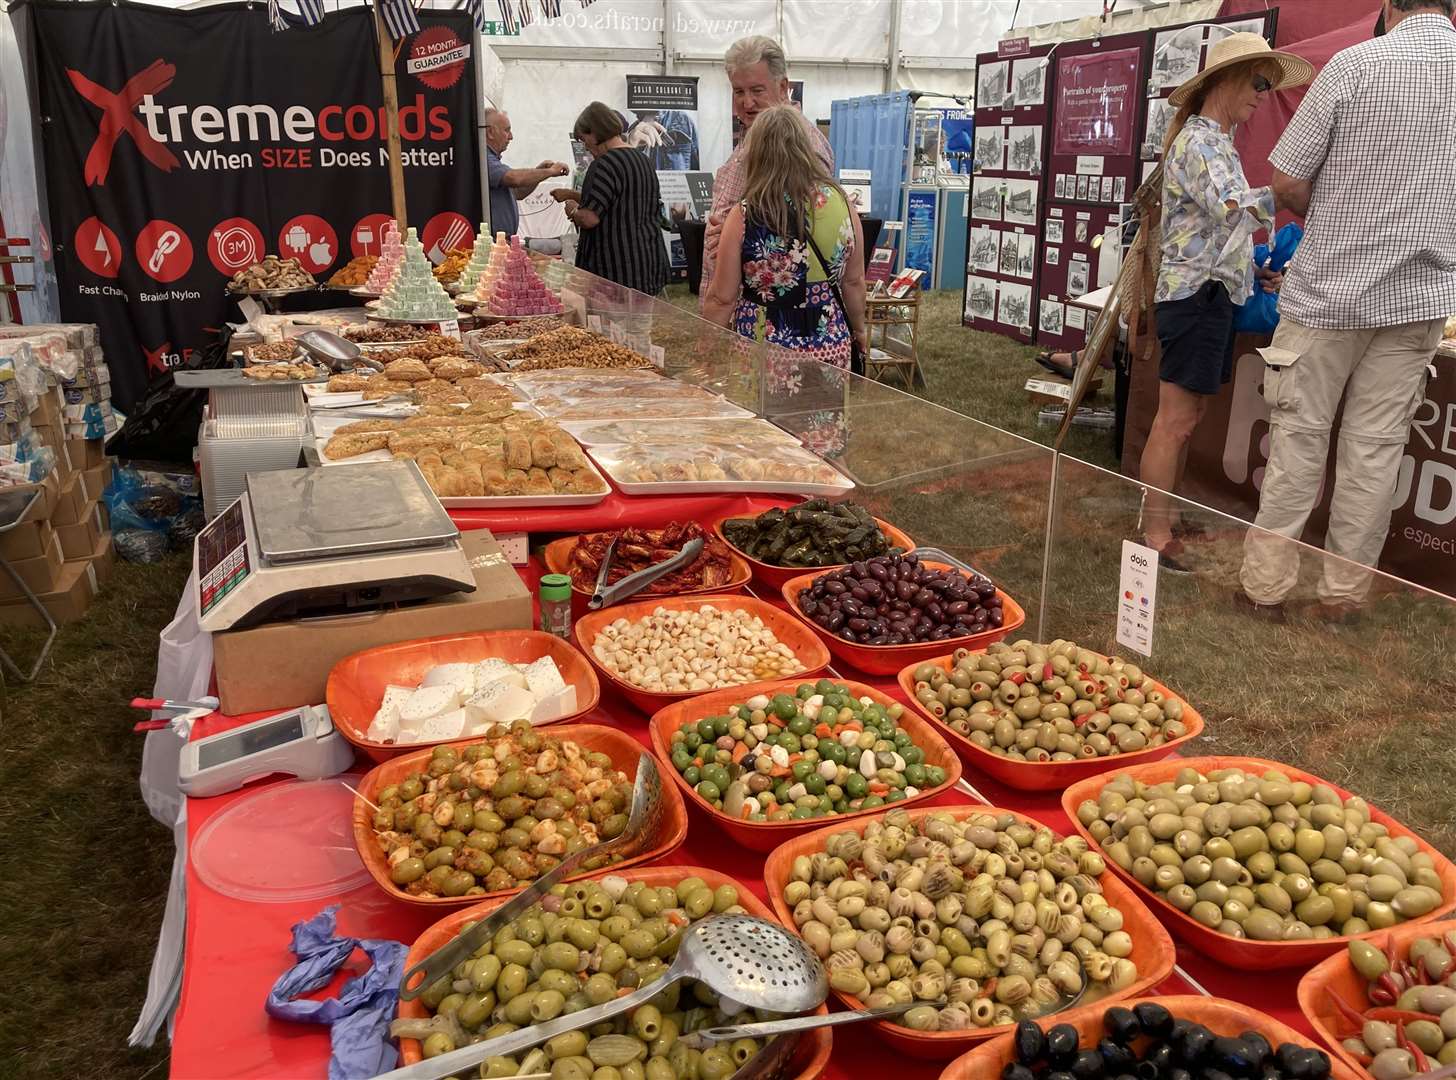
(1369, 160)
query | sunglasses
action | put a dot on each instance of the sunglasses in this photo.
(1262, 85)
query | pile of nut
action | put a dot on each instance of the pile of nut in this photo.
(370, 334)
(272, 273)
(706, 648)
(523, 328)
(571, 346)
(1002, 919)
(270, 352)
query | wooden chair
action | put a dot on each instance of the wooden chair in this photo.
(887, 352)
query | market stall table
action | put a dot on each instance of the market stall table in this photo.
(236, 949)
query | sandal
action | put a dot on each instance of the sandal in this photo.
(1046, 361)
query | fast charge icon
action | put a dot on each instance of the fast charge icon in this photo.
(233, 245)
(163, 251)
(311, 240)
(98, 248)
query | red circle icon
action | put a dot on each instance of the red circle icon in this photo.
(163, 250)
(368, 236)
(437, 57)
(445, 232)
(311, 240)
(98, 248)
(233, 245)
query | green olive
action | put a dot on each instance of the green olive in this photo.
(1264, 925)
(406, 871)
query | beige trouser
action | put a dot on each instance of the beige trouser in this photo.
(1382, 375)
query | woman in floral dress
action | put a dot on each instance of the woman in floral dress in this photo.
(771, 286)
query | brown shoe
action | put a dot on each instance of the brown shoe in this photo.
(1273, 613)
(1336, 614)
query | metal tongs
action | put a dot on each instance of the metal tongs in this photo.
(605, 595)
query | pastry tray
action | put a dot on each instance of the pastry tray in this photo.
(603, 456)
(269, 293)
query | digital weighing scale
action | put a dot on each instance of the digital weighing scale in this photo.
(326, 540)
(302, 743)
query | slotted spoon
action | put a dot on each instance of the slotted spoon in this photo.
(752, 962)
(706, 1037)
(643, 822)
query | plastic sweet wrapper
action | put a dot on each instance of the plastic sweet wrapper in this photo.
(19, 367)
(627, 408)
(358, 1018)
(561, 380)
(726, 432)
(49, 348)
(32, 470)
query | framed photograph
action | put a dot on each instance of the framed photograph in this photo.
(1023, 149)
(993, 89)
(981, 297)
(1060, 187)
(1159, 114)
(1028, 81)
(1051, 317)
(985, 244)
(1054, 230)
(1015, 305)
(1107, 189)
(1010, 246)
(990, 148)
(1076, 317)
(1077, 277)
(1053, 256)
(1119, 189)
(1021, 201)
(1176, 56)
(1079, 231)
(1026, 256)
(1082, 187)
(986, 198)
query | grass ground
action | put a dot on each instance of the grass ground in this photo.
(86, 872)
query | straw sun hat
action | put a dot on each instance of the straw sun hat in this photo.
(1241, 48)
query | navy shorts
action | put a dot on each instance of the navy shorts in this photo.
(1197, 338)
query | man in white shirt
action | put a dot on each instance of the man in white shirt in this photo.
(759, 74)
(1369, 161)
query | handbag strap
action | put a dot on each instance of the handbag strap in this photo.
(828, 274)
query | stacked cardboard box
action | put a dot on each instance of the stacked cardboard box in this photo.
(62, 546)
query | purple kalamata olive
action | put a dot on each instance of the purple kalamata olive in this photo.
(879, 571)
(849, 605)
(957, 607)
(995, 619)
(934, 611)
(858, 625)
(859, 593)
(835, 587)
(835, 620)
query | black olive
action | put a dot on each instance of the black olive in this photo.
(1160, 1056)
(1258, 1046)
(1122, 1026)
(1116, 1057)
(1216, 1074)
(1061, 1045)
(1270, 1071)
(1030, 1043)
(1059, 1075)
(1232, 1055)
(1308, 1064)
(1194, 1044)
(1087, 1065)
(1016, 1071)
(1178, 1073)
(1146, 1070)
(1153, 1019)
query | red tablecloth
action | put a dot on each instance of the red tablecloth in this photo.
(235, 950)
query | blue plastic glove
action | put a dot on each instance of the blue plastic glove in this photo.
(359, 1017)
(1259, 313)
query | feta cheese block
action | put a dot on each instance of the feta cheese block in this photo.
(499, 702)
(426, 702)
(554, 706)
(460, 676)
(543, 678)
(442, 728)
(385, 727)
(498, 670)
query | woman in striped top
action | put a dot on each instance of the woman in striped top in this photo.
(618, 207)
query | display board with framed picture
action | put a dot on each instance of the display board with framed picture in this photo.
(1008, 192)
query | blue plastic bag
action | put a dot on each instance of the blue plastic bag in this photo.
(1260, 312)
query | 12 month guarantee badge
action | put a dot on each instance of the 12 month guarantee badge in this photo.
(437, 57)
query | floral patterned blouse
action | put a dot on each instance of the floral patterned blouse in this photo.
(1203, 240)
(785, 285)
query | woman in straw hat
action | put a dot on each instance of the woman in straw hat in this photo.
(1210, 216)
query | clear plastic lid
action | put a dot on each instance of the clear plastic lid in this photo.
(285, 842)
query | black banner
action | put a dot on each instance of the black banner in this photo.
(182, 146)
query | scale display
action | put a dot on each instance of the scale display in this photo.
(222, 557)
(250, 740)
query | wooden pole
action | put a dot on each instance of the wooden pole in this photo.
(391, 113)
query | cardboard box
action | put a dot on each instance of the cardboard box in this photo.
(67, 602)
(50, 490)
(103, 560)
(40, 573)
(286, 664)
(95, 480)
(71, 504)
(86, 453)
(47, 412)
(79, 539)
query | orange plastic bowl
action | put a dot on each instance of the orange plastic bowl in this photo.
(1241, 953)
(1220, 1016)
(765, 835)
(1044, 775)
(888, 659)
(617, 745)
(775, 577)
(356, 684)
(1152, 948)
(810, 1057)
(557, 557)
(1335, 975)
(791, 632)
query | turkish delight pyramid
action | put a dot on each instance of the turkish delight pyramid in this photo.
(415, 295)
(519, 290)
(496, 266)
(390, 252)
(479, 260)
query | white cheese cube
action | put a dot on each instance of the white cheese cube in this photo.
(543, 678)
(443, 728)
(500, 703)
(460, 676)
(426, 702)
(385, 727)
(498, 670)
(395, 696)
(554, 706)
